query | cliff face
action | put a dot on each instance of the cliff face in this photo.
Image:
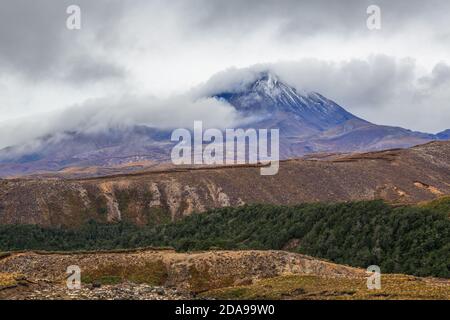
(399, 176)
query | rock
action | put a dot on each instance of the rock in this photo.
(160, 291)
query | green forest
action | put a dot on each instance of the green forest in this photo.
(408, 239)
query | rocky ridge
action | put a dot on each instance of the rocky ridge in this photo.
(401, 176)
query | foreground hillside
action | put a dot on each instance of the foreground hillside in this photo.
(398, 176)
(165, 274)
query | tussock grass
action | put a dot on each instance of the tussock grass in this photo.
(306, 287)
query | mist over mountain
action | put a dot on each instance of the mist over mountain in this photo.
(308, 123)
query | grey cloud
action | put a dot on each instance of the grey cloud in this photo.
(440, 76)
(297, 19)
(84, 70)
(37, 45)
(97, 115)
(380, 88)
(29, 35)
(35, 42)
(358, 82)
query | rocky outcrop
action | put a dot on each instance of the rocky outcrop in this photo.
(188, 272)
(165, 274)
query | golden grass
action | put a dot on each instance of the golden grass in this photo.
(8, 280)
(308, 287)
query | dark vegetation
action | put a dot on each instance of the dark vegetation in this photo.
(441, 204)
(412, 240)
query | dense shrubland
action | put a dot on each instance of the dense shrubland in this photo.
(412, 240)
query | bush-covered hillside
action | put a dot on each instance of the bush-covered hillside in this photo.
(408, 240)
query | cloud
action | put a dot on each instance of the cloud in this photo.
(382, 89)
(37, 45)
(128, 53)
(295, 19)
(99, 115)
(360, 83)
(440, 76)
(83, 70)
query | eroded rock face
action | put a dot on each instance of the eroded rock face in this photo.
(398, 176)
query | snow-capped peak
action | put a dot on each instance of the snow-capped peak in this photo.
(268, 79)
(268, 94)
(269, 85)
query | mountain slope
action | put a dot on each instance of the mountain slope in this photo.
(110, 148)
(444, 135)
(268, 96)
(399, 176)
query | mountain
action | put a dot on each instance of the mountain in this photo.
(110, 148)
(308, 123)
(444, 135)
(151, 197)
(301, 114)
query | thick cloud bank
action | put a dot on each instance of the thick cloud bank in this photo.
(379, 89)
(96, 115)
(133, 62)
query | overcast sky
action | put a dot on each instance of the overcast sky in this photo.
(141, 51)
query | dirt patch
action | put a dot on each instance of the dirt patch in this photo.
(429, 188)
